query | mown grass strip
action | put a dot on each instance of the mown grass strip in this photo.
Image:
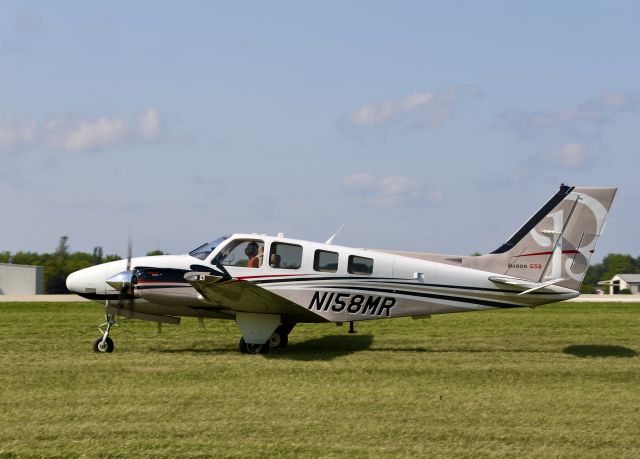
(560, 381)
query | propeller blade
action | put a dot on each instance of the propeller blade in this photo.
(123, 282)
(129, 251)
(129, 288)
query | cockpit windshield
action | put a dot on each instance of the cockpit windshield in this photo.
(204, 250)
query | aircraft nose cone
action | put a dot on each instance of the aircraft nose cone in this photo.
(74, 282)
(88, 280)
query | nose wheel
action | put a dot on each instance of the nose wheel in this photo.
(105, 343)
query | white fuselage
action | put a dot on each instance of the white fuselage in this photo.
(384, 285)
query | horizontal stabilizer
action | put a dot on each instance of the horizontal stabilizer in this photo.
(530, 286)
(514, 281)
(542, 285)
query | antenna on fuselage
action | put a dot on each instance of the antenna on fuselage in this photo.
(330, 240)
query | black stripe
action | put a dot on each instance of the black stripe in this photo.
(533, 221)
(494, 304)
(395, 281)
(465, 287)
(350, 278)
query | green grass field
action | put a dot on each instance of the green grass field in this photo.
(559, 381)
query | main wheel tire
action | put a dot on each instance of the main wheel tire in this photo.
(279, 339)
(248, 348)
(264, 348)
(243, 346)
(99, 346)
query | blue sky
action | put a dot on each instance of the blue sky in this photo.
(423, 126)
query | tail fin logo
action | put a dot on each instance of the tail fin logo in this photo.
(585, 243)
(558, 220)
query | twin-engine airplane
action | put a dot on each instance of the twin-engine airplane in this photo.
(269, 284)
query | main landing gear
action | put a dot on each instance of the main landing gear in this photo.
(104, 343)
(278, 339)
(248, 348)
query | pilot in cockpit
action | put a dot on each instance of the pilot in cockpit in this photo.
(251, 251)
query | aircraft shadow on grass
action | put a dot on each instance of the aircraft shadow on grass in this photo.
(324, 348)
(456, 350)
(592, 350)
(334, 346)
(599, 350)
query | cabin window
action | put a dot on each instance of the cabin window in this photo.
(325, 261)
(285, 256)
(360, 265)
(243, 253)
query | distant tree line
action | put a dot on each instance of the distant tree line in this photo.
(59, 264)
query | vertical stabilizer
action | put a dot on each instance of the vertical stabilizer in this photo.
(557, 242)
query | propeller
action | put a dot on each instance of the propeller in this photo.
(123, 282)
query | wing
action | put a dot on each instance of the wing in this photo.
(244, 296)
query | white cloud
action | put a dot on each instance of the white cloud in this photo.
(398, 186)
(548, 166)
(16, 135)
(150, 124)
(419, 110)
(597, 111)
(388, 190)
(85, 135)
(359, 182)
(77, 134)
(570, 156)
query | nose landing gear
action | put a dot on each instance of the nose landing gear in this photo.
(105, 343)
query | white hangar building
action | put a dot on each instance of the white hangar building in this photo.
(21, 279)
(621, 282)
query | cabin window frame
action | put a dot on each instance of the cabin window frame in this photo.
(316, 266)
(350, 265)
(272, 251)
